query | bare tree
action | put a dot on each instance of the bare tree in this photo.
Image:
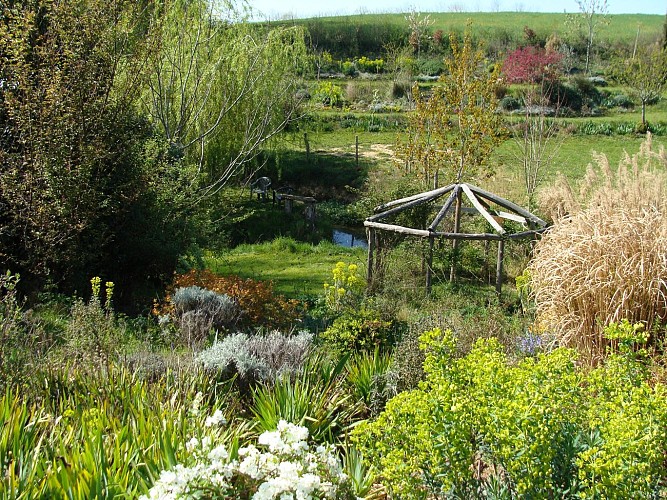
(592, 14)
(536, 141)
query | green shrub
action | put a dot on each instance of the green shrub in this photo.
(358, 330)
(329, 94)
(541, 428)
(346, 289)
(348, 68)
(563, 96)
(370, 65)
(367, 378)
(12, 333)
(430, 67)
(622, 101)
(93, 334)
(509, 103)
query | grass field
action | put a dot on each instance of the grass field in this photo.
(296, 269)
(622, 28)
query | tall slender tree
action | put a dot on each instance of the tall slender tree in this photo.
(454, 130)
(592, 15)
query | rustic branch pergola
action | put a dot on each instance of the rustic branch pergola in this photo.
(480, 204)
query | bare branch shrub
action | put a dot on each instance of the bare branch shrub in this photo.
(607, 259)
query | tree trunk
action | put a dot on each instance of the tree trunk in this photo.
(455, 244)
(643, 112)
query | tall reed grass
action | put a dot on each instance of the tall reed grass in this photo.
(605, 258)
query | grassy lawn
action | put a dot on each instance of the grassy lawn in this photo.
(296, 269)
(574, 154)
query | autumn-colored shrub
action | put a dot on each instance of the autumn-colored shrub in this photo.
(260, 304)
(530, 65)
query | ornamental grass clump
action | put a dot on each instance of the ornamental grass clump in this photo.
(605, 258)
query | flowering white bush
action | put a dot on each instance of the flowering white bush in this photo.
(287, 468)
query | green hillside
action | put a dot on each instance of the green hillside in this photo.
(368, 33)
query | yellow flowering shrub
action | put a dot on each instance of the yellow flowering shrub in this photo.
(543, 427)
(346, 289)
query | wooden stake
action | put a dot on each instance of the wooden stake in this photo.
(457, 228)
(356, 149)
(499, 266)
(429, 265)
(370, 234)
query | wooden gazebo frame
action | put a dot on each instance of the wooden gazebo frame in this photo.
(479, 200)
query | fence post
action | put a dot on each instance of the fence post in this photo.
(356, 149)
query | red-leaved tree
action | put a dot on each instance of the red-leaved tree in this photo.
(531, 65)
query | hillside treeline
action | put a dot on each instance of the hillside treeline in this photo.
(374, 35)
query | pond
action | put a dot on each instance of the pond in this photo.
(349, 237)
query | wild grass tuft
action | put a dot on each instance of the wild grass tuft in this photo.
(607, 261)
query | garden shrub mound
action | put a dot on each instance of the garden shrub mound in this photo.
(605, 258)
(257, 301)
(197, 311)
(258, 357)
(482, 427)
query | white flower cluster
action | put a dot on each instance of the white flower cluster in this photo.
(288, 469)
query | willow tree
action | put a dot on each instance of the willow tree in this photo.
(220, 87)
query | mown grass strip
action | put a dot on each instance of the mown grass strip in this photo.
(295, 268)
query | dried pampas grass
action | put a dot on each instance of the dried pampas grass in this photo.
(605, 258)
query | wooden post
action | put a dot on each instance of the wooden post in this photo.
(307, 144)
(457, 228)
(370, 234)
(377, 261)
(288, 205)
(429, 265)
(499, 266)
(309, 211)
(487, 268)
(356, 149)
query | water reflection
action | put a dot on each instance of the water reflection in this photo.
(348, 237)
